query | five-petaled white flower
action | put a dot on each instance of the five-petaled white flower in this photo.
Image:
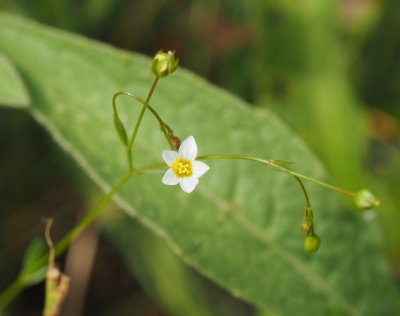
(184, 169)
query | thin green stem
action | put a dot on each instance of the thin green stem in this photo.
(139, 121)
(167, 137)
(18, 285)
(165, 128)
(303, 188)
(142, 101)
(321, 183)
(268, 162)
(10, 293)
(152, 167)
(90, 217)
(272, 164)
(129, 158)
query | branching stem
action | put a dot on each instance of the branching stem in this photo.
(19, 284)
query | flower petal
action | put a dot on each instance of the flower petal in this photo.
(188, 184)
(170, 178)
(199, 168)
(188, 149)
(169, 156)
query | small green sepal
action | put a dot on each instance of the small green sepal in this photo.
(311, 243)
(308, 222)
(365, 200)
(120, 130)
(308, 214)
(164, 63)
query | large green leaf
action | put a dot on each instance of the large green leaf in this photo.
(12, 90)
(158, 269)
(71, 81)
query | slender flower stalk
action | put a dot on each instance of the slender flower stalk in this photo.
(268, 162)
(277, 165)
(165, 128)
(303, 188)
(163, 65)
(139, 121)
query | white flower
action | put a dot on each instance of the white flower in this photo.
(184, 169)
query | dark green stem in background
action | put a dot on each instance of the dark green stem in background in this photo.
(90, 217)
(19, 284)
(11, 292)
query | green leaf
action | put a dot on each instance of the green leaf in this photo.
(310, 85)
(12, 90)
(29, 273)
(157, 268)
(72, 80)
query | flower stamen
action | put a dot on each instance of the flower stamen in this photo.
(182, 167)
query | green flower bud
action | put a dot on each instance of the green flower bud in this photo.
(311, 243)
(364, 199)
(164, 63)
(120, 130)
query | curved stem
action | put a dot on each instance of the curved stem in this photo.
(269, 162)
(49, 241)
(303, 188)
(18, 285)
(165, 128)
(139, 121)
(142, 101)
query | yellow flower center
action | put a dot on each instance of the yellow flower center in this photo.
(182, 167)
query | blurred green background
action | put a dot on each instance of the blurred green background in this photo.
(330, 69)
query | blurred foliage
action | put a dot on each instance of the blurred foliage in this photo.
(176, 288)
(329, 69)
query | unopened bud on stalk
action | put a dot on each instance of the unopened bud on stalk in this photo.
(364, 199)
(164, 63)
